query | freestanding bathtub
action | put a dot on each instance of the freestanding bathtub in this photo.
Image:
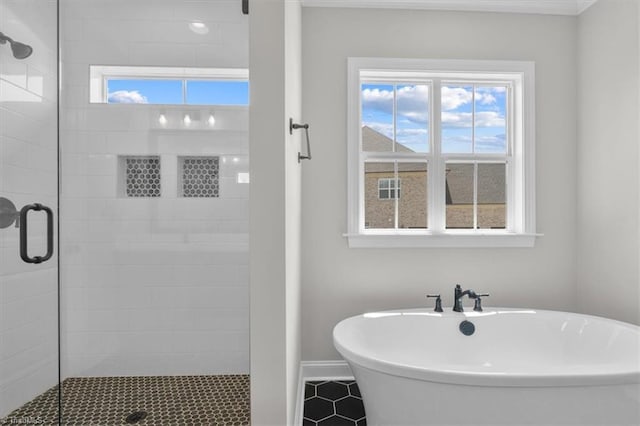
(518, 367)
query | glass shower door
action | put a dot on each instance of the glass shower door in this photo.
(28, 210)
(154, 202)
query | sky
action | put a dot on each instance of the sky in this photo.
(169, 92)
(412, 117)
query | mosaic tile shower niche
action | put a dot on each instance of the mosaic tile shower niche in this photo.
(142, 176)
(199, 176)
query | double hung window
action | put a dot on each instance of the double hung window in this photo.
(458, 136)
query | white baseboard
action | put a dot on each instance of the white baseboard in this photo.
(325, 370)
(318, 371)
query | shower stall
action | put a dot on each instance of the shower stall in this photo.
(124, 209)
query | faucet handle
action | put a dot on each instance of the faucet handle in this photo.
(438, 307)
(477, 306)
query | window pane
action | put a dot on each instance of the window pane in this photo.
(491, 196)
(412, 120)
(150, 91)
(459, 195)
(203, 92)
(490, 119)
(412, 203)
(377, 117)
(457, 111)
(379, 207)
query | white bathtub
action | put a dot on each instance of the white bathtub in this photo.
(520, 367)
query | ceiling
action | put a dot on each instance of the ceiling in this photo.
(547, 7)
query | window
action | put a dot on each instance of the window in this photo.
(388, 189)
(458, 135)
(169, 85)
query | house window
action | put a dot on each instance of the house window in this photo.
(169, 86)
(388, 189)
(458, 135)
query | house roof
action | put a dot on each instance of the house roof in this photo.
(491, 183)
(373, 141)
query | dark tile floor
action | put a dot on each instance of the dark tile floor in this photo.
(333, 403)
(151, 400)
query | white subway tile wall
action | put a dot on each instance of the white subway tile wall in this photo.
(152, 286)
(28, 168)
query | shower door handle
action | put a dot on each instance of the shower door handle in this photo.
(23, 233)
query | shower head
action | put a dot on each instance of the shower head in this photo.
(20, 50)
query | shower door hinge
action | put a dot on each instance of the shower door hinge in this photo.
(245, 7)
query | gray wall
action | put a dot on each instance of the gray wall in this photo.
(274, 55)
(339, 282)
(607, 273)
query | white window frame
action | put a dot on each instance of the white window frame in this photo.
(100, 74)
(521, 228)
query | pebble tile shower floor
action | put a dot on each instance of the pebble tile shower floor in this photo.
(166, 401)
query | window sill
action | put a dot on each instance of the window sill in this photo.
(444, 240)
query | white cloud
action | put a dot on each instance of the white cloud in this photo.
(412, 102)
(463, 119)
(456, 119)
(413, 105)
(380, 100)
(489, 119)
(455, 97)
(485, 98)
(421, 117)
(127, 97)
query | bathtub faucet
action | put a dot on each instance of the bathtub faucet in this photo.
(458, 294)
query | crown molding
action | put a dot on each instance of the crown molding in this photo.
(584, 5)
(546, 7)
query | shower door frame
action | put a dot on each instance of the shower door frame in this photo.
(35, 197)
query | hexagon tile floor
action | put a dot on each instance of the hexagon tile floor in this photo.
(152, 400)
(333, 403)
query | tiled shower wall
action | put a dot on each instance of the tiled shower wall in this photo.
(151, 285)
(28, 165)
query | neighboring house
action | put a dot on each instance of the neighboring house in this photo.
(381, 190)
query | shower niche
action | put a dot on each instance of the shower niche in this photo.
(139, 176)
(198, 177)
